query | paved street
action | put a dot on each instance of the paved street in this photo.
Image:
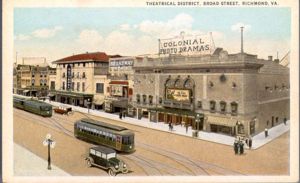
(157, 152)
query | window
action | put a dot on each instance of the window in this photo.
(130, 91)
(150, 99)
(99, 87)
(83, 87)
(64, 65)
(138, 98)
(234, 108)
(98, 154)
(32, 82)
(144, 98)
(78, 86)
(78, 74)
(160, 100)
(73, 86)
(52, 87)
(199, 105)
(63, 86)
(64, 75)
(83, 64)
(223, 106)
(212, 105)
(78, 64)
(276, 119)
(83, 75)
(45, 82)
(73, 74)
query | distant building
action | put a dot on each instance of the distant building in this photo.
(235, 94)
(31, 80)
(120, 85)
(81, 80)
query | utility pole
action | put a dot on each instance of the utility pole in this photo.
(242, 41)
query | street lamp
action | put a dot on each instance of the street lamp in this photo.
(88, 105)
(50, 143)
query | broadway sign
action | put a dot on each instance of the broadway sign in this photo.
(188, 45)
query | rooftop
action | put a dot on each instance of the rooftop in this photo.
(96, 56)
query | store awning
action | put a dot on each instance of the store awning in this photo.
(221, 121)
(98, 102)
(25, 91)
(51, 95)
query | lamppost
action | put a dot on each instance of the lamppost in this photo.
(88, 105)
(50, 143)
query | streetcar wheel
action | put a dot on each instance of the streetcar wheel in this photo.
(111, 172)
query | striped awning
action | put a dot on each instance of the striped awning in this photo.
(221, 121)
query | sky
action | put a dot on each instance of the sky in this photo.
(55, 33)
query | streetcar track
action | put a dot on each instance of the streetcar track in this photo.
(154, 167)
(136, 164)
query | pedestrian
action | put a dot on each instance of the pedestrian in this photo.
(247, 141)
(169, 126)
(235, 147)
(186, 128)
(266, 132)
(284, 121)
(250, 143)
(120, 115)
(124, 114)
(241, 147)
(238, 147)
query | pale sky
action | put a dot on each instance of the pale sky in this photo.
(55, 33)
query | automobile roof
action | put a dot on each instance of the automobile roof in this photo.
(103, 149)
(102, 124)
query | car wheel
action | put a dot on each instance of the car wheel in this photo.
(111, 172)
(89, 162)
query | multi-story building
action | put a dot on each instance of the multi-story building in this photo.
(221, 92)
(120, 85)
(80, 80)
(31, 80)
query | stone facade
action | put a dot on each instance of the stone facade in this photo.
(228, 91)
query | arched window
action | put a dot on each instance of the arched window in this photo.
(178, 83)
(138, 98)
(188, 83)
(169, 83)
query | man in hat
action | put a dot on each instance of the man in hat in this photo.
(235, 147)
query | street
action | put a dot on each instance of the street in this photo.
(157, 153)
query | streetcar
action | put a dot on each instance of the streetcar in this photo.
(113, 136)
(33, 106)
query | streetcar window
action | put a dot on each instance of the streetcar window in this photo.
(131, 139)
(125, 140)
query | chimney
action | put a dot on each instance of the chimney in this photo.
(270, 58)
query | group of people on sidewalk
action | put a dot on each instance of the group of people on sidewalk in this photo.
(122, 114)
(239, 143)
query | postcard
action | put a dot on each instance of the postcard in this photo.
(150, 91)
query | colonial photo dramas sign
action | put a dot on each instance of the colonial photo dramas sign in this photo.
(187, 45)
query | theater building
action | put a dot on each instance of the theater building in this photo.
(120, 87)
(80, 80)
(219, 92)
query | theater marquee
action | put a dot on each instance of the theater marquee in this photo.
(187, 45)
(178, 95)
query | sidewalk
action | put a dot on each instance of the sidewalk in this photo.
(257, 141)
(28, 164)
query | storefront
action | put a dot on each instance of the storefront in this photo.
(222, 125)
(76, 99)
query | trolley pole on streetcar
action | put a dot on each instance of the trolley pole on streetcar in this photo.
(50, 143)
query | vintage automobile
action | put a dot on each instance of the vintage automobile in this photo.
(106, 158)
(63, 110)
